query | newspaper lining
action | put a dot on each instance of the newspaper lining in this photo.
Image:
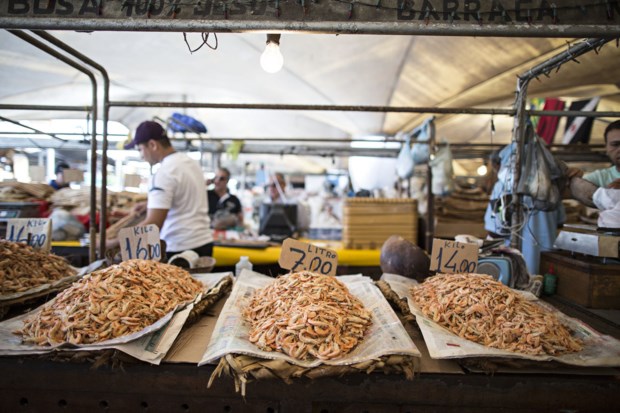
(599, 350)
(149, 344)
(386, 336)
(51, 286)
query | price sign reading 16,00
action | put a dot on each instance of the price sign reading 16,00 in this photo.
(140, 242)
(301, 256)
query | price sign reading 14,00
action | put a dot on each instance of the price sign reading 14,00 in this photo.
(454, 257)
(35, 232)
(140, 242)
(301, 256)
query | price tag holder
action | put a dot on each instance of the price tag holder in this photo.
(302, 256)
(140, 242)
(36, 232)
(453, 257)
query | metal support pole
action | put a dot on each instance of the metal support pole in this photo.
(518, 142)
(518, 138)
(93, 178)
(430, 212)
(64, 108)
(31, 128)
(361, 108)
(341, 108)
(409, 27)
(103, 219)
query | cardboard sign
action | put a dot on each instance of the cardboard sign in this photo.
(453, 257)
(140, 242)
(132, 180)
(301, 256)
(36, 232)
(73, 175)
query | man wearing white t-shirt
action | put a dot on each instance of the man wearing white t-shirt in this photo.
(177, 203)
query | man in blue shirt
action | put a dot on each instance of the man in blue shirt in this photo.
(59, 182)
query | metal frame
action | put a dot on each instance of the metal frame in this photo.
(103, 218)
(414, 27)
(520, 121)
(93, 163)
(518, 110)
(358, 108)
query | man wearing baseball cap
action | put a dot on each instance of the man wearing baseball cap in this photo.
(177, 203)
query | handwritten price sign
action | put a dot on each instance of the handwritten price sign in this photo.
(301, 256)
(453, 257)
(140, 242)
(36, 232)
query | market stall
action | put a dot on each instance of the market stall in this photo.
(222, 357)
(121, 384)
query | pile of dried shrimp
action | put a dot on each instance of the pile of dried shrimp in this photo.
(109, 303)
(23, 267)
(480, 309)
(307, 316)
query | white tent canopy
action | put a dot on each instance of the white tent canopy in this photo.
(319, 69)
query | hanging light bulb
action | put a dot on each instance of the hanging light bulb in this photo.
(482, 170)
(271, 60)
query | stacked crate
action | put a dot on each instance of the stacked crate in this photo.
(368, 222)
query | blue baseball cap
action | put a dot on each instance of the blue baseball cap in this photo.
(146, 131)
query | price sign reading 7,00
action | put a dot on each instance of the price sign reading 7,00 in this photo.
(140, 242)
(301, 256)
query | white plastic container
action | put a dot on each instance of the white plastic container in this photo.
(244, 263)
(185, 259)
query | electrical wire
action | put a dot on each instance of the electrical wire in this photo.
(205, 41)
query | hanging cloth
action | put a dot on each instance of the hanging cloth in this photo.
(578, 128)
(548, 125)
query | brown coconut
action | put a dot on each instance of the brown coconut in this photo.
(403, 257)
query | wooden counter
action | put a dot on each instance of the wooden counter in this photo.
(38, 384)
(45, 386)
(588, 281)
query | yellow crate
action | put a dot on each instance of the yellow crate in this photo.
(368, 222)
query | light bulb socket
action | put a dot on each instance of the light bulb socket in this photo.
(273, 38)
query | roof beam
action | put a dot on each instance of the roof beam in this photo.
(535, 18)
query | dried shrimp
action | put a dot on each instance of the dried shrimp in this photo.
(109, 303)
(480, 309)
(307, 316)
(23, 267)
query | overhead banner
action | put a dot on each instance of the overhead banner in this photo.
(534, 16)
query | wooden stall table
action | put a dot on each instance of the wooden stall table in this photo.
(76, 253)
(40, 384)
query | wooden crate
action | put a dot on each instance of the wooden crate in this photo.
(368, 222)
(584, 280)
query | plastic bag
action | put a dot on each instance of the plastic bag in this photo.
(183, 123)
(542, 175)
(443, 173)
(224, 219)
(404, 161)
(420, 152)
(608, 201)
(65, 227)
